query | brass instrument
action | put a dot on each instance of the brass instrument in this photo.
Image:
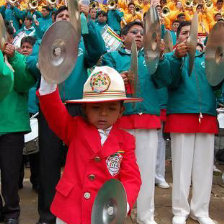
(189, 3)
(208, 4)
(138, 8)
(165, 11)
(33, 4)
(112, 4)
(52, 2)
(12, 2)
(94, 5)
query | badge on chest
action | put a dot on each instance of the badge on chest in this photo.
(113, 163)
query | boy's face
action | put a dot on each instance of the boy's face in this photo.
(63, 15)
(103, 115)
(26, 48)
(27, 22)
(102, 18)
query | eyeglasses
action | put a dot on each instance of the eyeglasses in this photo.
(136, 31)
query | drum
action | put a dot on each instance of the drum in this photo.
(31, 139)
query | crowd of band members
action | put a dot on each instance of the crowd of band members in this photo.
(189, 101)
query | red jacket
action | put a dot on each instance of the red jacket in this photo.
(89, 165)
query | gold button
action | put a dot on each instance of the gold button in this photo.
(92, 177)
(97, 159)
(87, 195)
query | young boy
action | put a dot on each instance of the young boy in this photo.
(98, 149)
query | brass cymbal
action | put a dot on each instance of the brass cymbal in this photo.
(152, 39)
(133, 72)
(110, 205)
(168, 42)
(74, 15)
(214, 55)
(58, 52)
(192, 42)
(3, 33)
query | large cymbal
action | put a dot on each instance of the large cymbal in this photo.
(74, 15)
(133, 72)
(168, 42)
(192, 42)
(214, 60)
(3, 33)
(110, 205)
(58, 52)
(152, 39)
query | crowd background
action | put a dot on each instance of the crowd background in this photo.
(27, 21)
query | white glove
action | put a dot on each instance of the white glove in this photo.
(46, 88)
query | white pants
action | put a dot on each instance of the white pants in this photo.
(192, 160)
(146, 148)
(160, 161)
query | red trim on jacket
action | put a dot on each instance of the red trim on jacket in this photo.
(189, 123)
(163, 115)
(136, 121)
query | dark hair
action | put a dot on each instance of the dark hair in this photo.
(131, 3)
(179, 15)
(29, 17)
(125, 29)
(182, 24)
(61, 9)
(102, 13)
(9, 28)
(46, 7)
(175, 21)
(29, 39)
(219, 1)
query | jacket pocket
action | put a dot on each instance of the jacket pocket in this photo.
(64, 187)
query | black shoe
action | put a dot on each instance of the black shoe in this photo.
(11, 221)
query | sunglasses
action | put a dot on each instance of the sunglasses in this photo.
(136, 31)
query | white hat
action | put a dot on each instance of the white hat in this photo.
(103, 85)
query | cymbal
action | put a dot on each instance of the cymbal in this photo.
(133, 72)
(58, 52)
(192, 42)
(110, 205)
(152, 39)
(214, 55)
(74, 15)
(3, 33)
(168, 42)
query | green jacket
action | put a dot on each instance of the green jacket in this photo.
(6, 79)
(187, 94)
(91, 47)
(13, 108)
(120, 60)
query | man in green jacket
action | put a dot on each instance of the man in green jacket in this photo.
(192, 123)
(141, 119)
(14, 123)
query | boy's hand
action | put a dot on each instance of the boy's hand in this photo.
(9, 50)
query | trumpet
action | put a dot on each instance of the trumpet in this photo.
(33, 4)
(208, 4)
(189, 3)
(165, 11)
(51, 2)
(13, 2)
(112, 4)
(138, 8)
(94, 5)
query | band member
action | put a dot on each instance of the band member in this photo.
(14, 123)
(114, 17)
(98, 149)
(91, 47)
(191, 121)
(142, 120)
